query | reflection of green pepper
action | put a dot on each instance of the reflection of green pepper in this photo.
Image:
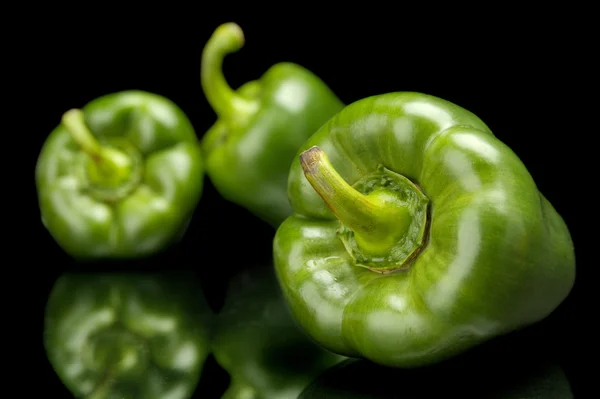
(127, 336)
(260, 127)
(121, 177)
(257, 341)
(514, 374)
(417, 234)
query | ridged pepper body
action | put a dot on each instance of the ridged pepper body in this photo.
(150, 207)
(492, 256)
(260, 127)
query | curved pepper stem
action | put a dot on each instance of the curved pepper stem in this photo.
(74, 122)
(227, 38)
(110, 166)
(379, 220)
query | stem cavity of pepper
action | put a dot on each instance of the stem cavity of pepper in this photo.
(228, 105)
(383, 217)
(108, 172)
(118, 350)
(117, 353)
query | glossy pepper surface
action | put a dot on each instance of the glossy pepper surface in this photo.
(260, 126)
(127, 336)
(417, 234)
(258, 342)
(121, 177)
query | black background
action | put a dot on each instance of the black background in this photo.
(507, 74)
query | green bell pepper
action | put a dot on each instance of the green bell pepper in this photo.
(258, 343)
(417, 234)
(260, 127)
(127, 336)
(120, 178)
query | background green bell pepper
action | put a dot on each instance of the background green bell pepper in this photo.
(417, 234)
(258, 343)
(260, 127)
(127, 335)
(120, 178)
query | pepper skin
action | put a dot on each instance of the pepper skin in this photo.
(250, 148)
(257, 341)
(127, 336)
(417, 234)
(120, 178)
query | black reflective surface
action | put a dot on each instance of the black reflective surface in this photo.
(498, 72)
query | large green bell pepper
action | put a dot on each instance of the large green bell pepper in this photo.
(260, 127)
(258, 342)
(417, 234)
(120, 178)
(127, 336)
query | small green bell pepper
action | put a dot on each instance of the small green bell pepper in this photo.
(127, 335)
(417, 234)
(120, 178)
(260, 127)
(257, 341)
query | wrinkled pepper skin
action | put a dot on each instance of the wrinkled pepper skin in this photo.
(491, 256)
(127, 336)
(120, 178)
(260, 127)
(258, 343)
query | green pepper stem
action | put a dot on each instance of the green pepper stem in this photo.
(74, 122)
(111, 164)
(227, 38)
(378, 220)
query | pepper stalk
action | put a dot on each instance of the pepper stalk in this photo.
(110, 167)
(383, 229)
(228, 105)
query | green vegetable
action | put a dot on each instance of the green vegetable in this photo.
(112, 336)
(257, 341)
(417, 234)
(260, 127)
(120, 178)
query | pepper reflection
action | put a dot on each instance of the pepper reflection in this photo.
(260, 345)
(518, 366)
(127, 335)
